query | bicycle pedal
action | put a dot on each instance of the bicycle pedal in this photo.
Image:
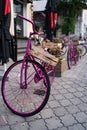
(39, 92)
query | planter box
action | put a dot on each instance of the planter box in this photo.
(61, 67)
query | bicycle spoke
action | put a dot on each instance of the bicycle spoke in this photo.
(25, 97)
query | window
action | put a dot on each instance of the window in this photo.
(18, 8)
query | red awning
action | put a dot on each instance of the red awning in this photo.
(7, 7)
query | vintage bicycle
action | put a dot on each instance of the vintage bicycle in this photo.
(26, 84)
(74, 53)
(73, 50)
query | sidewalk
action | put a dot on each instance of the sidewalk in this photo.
(65, 110)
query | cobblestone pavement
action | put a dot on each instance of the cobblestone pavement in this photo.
(65, 110)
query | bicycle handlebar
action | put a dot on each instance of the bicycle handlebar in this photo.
(33, 26)
(20, 16)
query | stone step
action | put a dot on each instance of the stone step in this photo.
(21, 50)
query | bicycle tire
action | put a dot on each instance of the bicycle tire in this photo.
(33, 101)
(72, 57)
(64, 50)
(68, 60)
(84, 49)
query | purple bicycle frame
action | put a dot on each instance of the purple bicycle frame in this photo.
(27, 54)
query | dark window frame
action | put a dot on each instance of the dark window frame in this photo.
(23, 1)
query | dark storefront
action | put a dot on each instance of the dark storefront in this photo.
(18, 9)
(39, 19)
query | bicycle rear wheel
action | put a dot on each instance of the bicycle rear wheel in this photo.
(64, 50)
(72, 57)
(69, 63)
(82, 50)
(30, 96)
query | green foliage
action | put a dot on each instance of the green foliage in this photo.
(70, 10)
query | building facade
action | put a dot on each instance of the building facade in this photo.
(81, 26)
(37, 7)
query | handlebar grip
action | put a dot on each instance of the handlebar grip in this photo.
(40, 33)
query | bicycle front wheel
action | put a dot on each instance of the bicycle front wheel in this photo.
(32, 96)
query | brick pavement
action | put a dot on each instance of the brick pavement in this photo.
(65, 110)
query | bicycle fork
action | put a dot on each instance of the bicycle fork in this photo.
(38, 74)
